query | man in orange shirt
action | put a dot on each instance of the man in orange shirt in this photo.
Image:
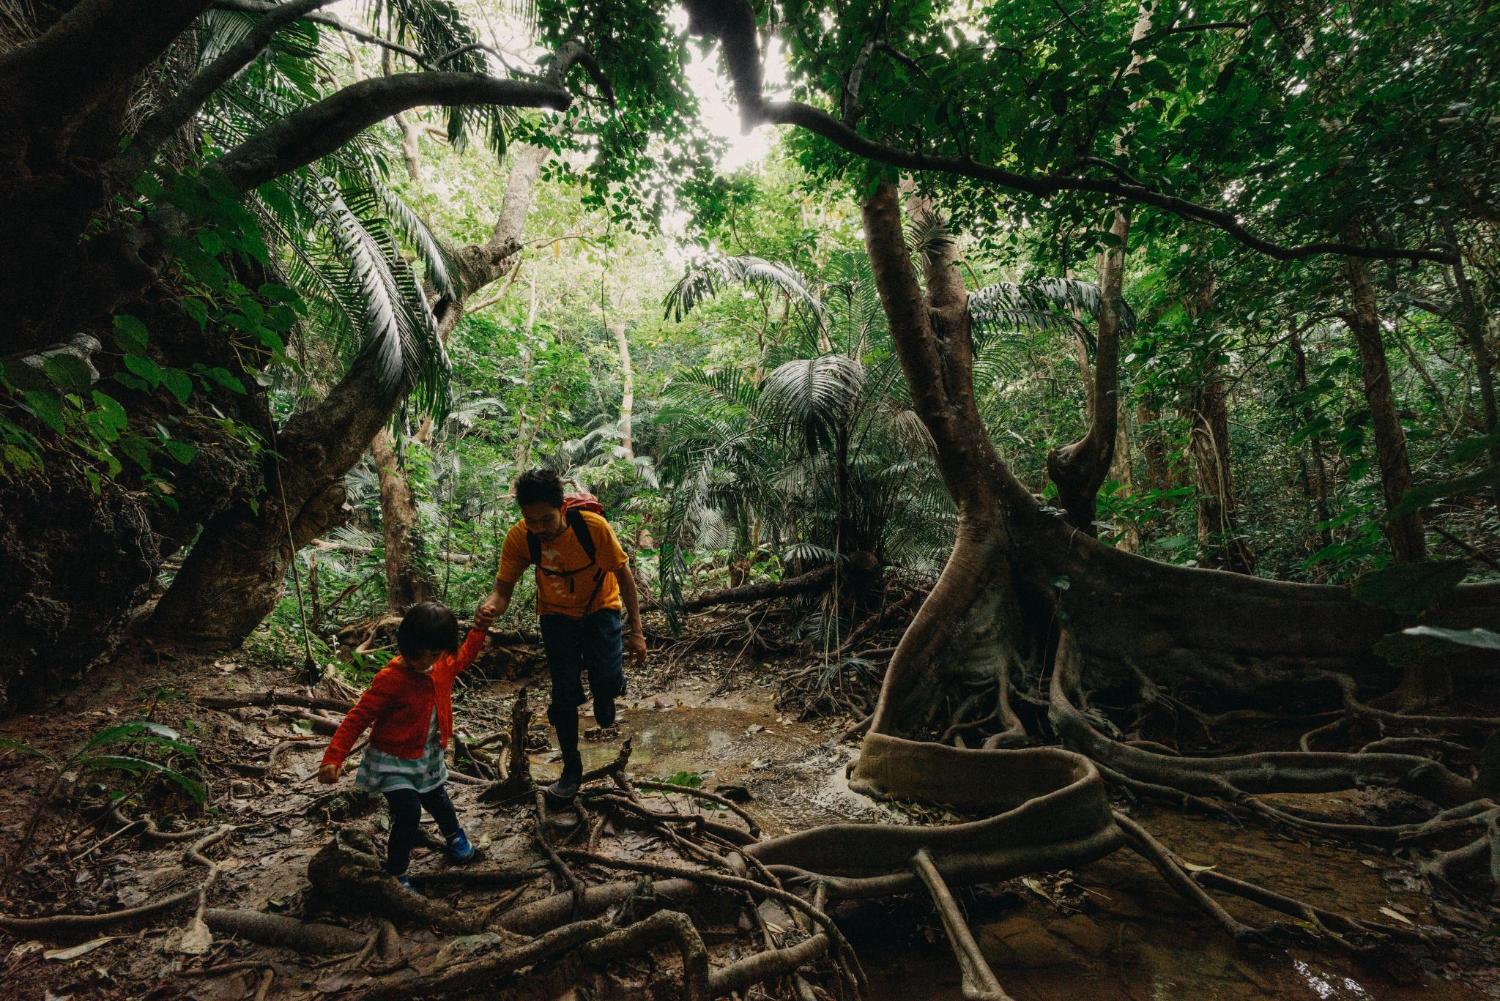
(583, 584)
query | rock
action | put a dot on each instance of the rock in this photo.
(1021, 941)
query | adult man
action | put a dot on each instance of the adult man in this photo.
(583, 585)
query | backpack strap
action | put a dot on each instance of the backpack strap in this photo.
(581, 531)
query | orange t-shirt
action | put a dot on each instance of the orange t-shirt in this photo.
(560, 595)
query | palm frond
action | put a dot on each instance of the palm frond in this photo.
(1044, 304)
(705, 278)
(814, 396)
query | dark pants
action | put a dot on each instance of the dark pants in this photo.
(592, 645)
(406, 814)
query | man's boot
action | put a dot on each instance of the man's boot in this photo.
(565, 722)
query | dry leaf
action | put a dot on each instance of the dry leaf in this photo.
(78, 950)
(196, 937)
(1391, 912)
(1194, 867)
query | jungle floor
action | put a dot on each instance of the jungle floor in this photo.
(1112, 930)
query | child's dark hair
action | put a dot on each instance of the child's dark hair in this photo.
(429, 625)
(539, 486)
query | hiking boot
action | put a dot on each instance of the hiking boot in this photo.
(604, 713)
(565, 789)
(459, 849)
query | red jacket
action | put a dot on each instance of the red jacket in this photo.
(399, 703)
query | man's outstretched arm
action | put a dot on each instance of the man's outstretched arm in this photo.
(635, 636)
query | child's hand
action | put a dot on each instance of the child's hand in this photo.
(484, 616)
(328, 774)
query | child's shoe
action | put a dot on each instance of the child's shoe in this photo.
(405, 883)
(459, 849)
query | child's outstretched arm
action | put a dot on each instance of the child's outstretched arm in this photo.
(368, 709)
(479, 635)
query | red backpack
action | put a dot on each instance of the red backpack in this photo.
(573, 506)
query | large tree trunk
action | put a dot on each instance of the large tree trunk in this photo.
(236, 573)
(406, 580)
(1403, 531)
(1017, 571)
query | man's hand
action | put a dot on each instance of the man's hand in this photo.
(329, 774)
(484, 617)
(493, 607)
(636, 644)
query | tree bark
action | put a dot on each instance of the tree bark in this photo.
(1404, 531)
(1080, 468)
(406, 581)
(627, 394)
(236, 573)
(1473, 323)
(1218, 509)
(1316, 472)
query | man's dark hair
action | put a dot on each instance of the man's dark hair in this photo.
(429, 625)
(539, 486)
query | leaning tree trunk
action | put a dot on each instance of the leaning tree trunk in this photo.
(236, 573)
(479, 265)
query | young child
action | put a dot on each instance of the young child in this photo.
(409, 704)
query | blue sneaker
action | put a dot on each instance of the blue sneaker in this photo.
(459, 849)
(405, 883)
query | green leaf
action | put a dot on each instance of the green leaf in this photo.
(1420, 496)
(46, 407)
(178, 383)
(130, 333)
(143, 766)
(145, 369)
(1483, 639)
(181, 451)
(224, 377)
(68, 371)
(109, 413)
(1409, 588)
(6, 744)
(129, 731)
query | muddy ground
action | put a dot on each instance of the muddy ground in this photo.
(1111, 931)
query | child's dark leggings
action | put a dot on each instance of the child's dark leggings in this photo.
(406, 814)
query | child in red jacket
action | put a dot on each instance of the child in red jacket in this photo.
(409, 703)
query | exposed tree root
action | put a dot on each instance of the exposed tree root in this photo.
(347, 877)
(285, 932)
(66, 923)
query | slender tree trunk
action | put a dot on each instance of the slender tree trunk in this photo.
(1316, 477)
(627, 394)
(406, 581)
(1080, 468)
(1404, 531)
(1218, 509)
(1473, 323)
(1129, 537)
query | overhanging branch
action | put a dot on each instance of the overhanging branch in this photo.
(321, 128)
(732, 22)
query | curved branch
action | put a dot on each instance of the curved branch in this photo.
(321, 128)
(733, 24)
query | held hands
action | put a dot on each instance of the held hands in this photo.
(484, 616)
